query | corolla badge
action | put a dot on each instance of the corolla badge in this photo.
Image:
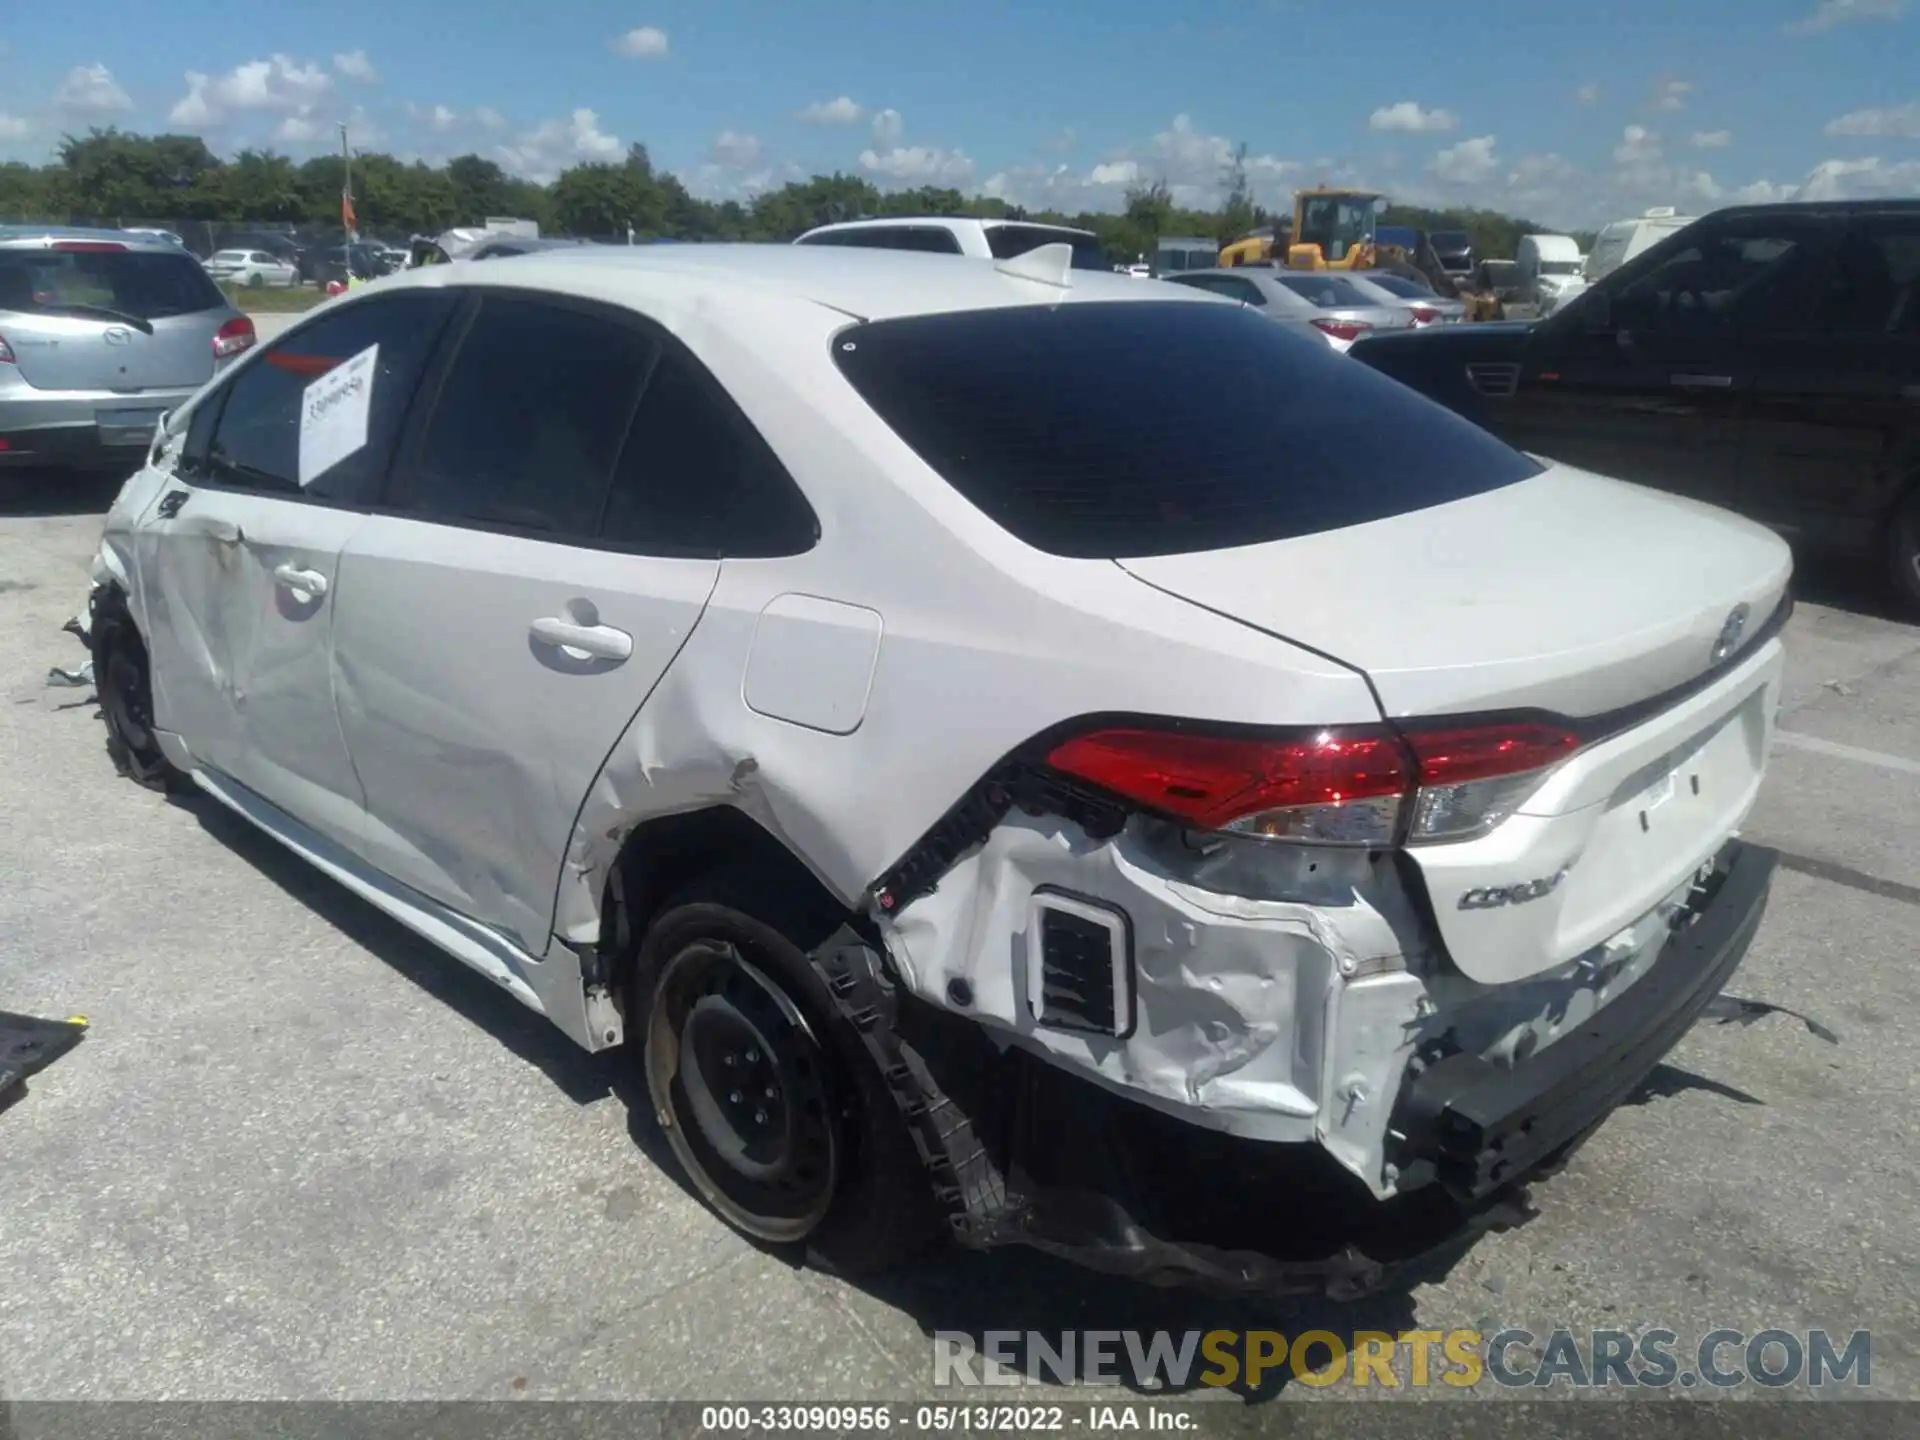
(1730, 633)
(1493, 897)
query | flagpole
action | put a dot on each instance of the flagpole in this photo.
(346, 188)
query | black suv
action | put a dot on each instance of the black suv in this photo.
(1765, 358)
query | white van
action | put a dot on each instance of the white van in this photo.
(1624, 239)
(1546, 265)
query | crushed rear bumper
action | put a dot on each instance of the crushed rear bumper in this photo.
(1483, 1127)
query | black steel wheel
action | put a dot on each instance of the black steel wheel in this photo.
(123, 681)
(741, 1086)
(1903, 552)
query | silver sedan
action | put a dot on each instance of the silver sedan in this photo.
(1427, 307)
(1326, 304)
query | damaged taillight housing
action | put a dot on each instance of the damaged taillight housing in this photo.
(1370, 786)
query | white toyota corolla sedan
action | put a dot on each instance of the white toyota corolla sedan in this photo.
(990, 783)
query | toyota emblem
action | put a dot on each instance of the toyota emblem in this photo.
(118, 335)
(1730, 632)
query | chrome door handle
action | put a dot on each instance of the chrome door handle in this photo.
(1703, 382)
(307, 582)
(582, 642)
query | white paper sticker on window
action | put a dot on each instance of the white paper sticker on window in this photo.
(333, 414)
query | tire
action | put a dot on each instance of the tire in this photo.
(1903, 552)
(763, 1089)
(254, 281)
(123, 682)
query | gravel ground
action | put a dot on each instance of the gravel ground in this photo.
(301, 1155)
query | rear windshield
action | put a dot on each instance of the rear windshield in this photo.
(1399, 285)
(1007, 241)
(141, 284)
(1329, 292)
(1078, 428)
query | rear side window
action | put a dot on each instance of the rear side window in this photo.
(528, 420)
(933, 239)
(1006, 241)
(147, 285)
(1873, 287)
(255, 442)
(1077, 427)
(695, 477)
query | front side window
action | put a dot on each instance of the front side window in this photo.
(1747, 275)
(528, 420)
(263, 437)
(1054, 422)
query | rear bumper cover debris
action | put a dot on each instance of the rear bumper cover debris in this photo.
(1023, 1152)
(1483, 1126)
(28, 1046)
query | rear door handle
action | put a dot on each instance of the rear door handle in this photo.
(1703, 382)
(306, 582)
(582, 642)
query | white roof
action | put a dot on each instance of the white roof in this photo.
(867, 284)
(983, 222)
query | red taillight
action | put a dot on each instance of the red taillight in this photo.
(1424, 314)
(1342, 329)
(6, 352)
(1346, 786)
(88, 247)
(233, 337)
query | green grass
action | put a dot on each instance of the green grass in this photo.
(262, 301)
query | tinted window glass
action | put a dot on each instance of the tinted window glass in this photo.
(696, 478)
(1006, 241)
(256, 442)
(928, 238)
(1749, 274)
(1874, 285)
(1329, 292)
(1399, 285)
(1056, 422)
(144, 284)
(529, 417)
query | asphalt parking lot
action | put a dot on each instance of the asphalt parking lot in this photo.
(301, 1155)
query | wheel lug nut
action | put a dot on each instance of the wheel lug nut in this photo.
(731, 1060)
(753, 1057)
(759, 1117)
(733, 1096)
(769, 1092)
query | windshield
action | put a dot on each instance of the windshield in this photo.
(140, 284)
(1007, 241)
(1336, 223)
(1077, 428)
(1329, 292)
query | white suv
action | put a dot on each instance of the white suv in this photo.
(960, 235)
(1241, 839)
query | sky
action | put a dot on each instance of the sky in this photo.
(1567, 112)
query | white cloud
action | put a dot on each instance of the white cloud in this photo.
(843, 110)
(1471, 162)
(1711, 139)
(645, 43)
(1901, 121)
(1672, 95)
(888, 126)
(1192, 163)
(356, 66)
(1588, 94)
(1829, 13)
(729, 182)
(919, 165)
(736, 151)
(298, 130)
(1409, 116)
(1859, 179)
(91, 91)
(440, 119)
(541, 153)
(489, 119)
(15, 127)
(1638, 146)
(276, 83)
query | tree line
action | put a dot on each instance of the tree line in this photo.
(114, 177)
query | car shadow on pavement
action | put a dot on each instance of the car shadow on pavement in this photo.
(1840, 583)
(40, 493)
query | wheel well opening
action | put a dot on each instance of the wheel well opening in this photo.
(662, 857)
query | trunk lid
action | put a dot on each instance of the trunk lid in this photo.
(1566, 592)
(71, 353)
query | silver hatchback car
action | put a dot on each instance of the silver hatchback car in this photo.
(101, 333)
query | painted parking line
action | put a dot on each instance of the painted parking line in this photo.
(1814, 745)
